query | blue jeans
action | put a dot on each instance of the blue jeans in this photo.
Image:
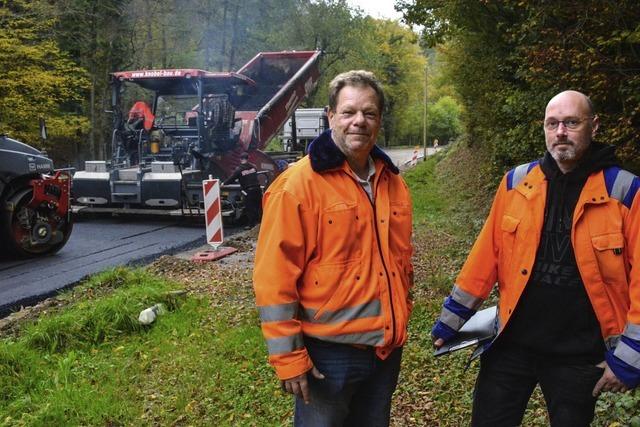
(356, 390)
(508, 376)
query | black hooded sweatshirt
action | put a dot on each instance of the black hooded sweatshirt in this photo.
(554, 316)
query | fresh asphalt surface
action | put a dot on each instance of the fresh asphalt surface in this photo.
(95, 244)
(100, 243)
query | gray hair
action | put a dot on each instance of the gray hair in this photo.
(355, 78)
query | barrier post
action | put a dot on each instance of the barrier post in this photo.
(414, 159)
(213, 223)
(213, 212)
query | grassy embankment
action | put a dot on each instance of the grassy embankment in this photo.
(88, 361)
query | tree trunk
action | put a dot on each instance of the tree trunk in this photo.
(149, 62)
(208, 36)
(164, 49)
(92, 113)
(234, 38)
(92, 97)
(223, 46)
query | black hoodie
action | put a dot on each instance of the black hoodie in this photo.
(554, 315)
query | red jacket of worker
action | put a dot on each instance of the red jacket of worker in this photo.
(329, 263)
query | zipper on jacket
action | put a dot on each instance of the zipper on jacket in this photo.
(384, 265)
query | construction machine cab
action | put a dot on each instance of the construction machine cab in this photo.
(201, 124)
(192, 110)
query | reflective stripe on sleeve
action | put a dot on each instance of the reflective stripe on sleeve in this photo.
(632, 331)
(284, 345)
(514, 176)
(627, 354)
(451, 319)
(372, 338)
(622, 185)
(520, 172)
(278, 312)
(465, 298)
(362, 311)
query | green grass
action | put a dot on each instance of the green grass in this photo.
(204, 361)
(93, 364)
(275, 144)
(436, 391)
(428, 204)
(450, 205)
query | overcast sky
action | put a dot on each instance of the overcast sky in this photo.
(377, 8)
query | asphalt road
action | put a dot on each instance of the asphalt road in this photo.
(95, 245)
(401, 157)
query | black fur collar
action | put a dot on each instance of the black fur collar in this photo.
(325, 155)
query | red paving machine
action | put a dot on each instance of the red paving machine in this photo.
(35, 216)
(187, 125)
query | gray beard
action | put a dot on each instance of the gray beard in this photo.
(565, 155)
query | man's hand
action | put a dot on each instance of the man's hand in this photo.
(438, 342)
(299, 386)
(608, 382)
(441, 333)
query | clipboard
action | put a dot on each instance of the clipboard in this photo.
(480, 328)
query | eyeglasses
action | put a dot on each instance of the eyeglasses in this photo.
(572, 123)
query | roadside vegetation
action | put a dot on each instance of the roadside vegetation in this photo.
(506, 59)
(56, 58)
(87, 361)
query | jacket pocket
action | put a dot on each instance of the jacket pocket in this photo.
(509, 227)
(609, 250)
(338, 237)
(339, 284)
(400, 227)
(509, 224)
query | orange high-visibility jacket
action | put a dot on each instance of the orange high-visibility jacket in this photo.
(330, 264)
(141, 110)
(605, 237)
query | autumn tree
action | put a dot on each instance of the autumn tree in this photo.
(508, 58)
(69, 47)
(39, 80)
(94, 33)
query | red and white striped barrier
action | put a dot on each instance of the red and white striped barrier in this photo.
(213, 212)
(414, 159)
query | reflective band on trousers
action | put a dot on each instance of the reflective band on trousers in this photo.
(278, 312)
(284, 345)
(362, 311)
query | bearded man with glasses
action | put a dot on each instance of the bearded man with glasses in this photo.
(562, 241)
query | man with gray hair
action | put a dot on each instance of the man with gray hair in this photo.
(562, 241)
(333, 267)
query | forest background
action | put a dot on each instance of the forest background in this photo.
(56, 57)
(507, 58)
(491, 64)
